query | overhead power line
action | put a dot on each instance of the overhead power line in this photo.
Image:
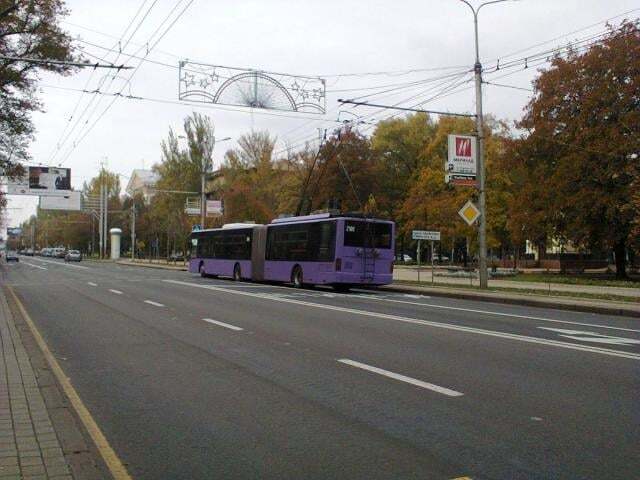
(508, 86)
(83, 134)
(407, 109)
(64, 136)
(64, 62)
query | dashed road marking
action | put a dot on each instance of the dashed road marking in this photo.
(35, 266)
(155, 304)
(63, 264)
(92, 284)
(222, 324)
(403, 378)
(117, 292)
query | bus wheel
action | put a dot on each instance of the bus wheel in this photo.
(237, 273)
(296, 277)
(203, 274)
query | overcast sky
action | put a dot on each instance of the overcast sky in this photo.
(301, 37)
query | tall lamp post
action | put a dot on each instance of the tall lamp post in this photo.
(207, 165)
(482, 240)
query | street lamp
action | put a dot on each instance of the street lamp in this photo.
(207, 165)
(477, 68)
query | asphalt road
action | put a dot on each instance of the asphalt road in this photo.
(194, 378)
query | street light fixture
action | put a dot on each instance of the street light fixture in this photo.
(482, 240)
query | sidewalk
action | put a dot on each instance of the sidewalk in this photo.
(39, 436)
(29, 446)
(411, 274)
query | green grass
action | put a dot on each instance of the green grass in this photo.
(602, 279)
(535, 293)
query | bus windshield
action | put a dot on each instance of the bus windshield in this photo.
(356, 235)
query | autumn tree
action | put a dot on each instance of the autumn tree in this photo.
(581, 147)
(344, 176)
(399, 145)
(253, 179)
(28, 30)
(432, 204)
(180, 170)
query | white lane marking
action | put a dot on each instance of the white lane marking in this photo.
(592, 337)
(499, 314)
(92, 284)
(65, 264)
(402, 378)
(117, 292)
(222, 324)
(409, 295)
(155, 304)
(35, 266)
(415, 321)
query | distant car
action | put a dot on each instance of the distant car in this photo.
(73, 256)
(176, 257)
(440, 258)
(12, 256)
(59, 253)
(29, 252)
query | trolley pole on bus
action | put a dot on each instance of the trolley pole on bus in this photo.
(482, 231)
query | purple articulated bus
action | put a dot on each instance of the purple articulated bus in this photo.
(324, 249)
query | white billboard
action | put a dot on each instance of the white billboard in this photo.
(425, 235)
(462, 160)
(71, 201)
(214, 208)
(42, 181)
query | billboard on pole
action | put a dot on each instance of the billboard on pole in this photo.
(461, 165)
(72, 202)
(42, 181)
(214, 208)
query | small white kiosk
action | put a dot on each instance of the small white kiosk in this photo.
(116, 234)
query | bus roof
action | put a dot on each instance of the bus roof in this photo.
(320, 216)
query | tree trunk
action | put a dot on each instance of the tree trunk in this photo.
(621, 261)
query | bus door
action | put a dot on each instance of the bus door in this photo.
(258, 249)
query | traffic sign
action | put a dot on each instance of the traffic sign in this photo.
(469, 213)
(425, 235)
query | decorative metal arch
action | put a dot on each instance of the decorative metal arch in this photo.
(255, 88)
(255, 75)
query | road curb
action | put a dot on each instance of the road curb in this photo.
(555, 303)
(101, 445)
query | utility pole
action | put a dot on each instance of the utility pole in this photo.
(207, 165)
(203, 181)
(101, 224)
(482, 231)
(105, 229)
(133, 230)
